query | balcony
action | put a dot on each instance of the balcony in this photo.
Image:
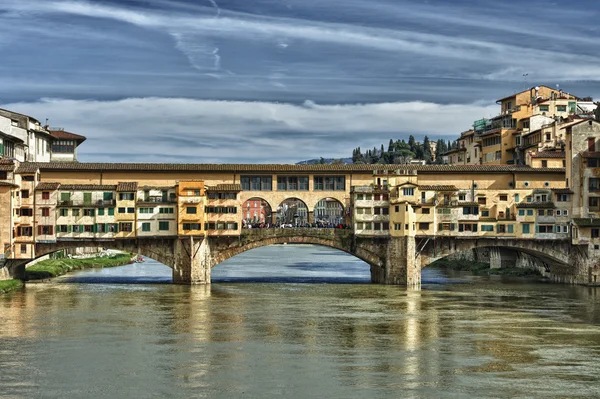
(157, 200)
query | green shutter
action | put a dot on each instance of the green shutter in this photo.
(69, 229)
(100, 211)
(87, 198)
(95, 228)
(537, 228)
(510, 228)
(111, 211)
(65, 196)
(116, 227)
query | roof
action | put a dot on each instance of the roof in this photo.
(7, 167)
(226, 187)
(127, 186)
(587, 222)
(562, 191)
(27, 167)
(87, 187)
(7, 184)
(146, 187)
(269, 168)
(590, 154)
(438, 188)
(577, 122)
(47, 186)
(468, 203)
(544, 205)
(530, 89)
(62, 135)
(549, 154)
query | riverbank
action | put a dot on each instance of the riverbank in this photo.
(10, 285)
(57, 267)
(483, 269)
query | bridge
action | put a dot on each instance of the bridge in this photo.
(392, 260)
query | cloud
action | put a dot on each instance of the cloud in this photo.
(197, 34)
(187, 130)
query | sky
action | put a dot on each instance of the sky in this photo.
(281, 81)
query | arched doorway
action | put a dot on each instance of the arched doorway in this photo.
(329, 212)
(256, 211)
(292, 212)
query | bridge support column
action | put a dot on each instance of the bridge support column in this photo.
(400, 264)
(192, 261)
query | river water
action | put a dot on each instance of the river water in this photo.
(301, 322)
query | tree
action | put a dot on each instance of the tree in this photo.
(597, 111)
(404, 157)
(391, 146)
(427, 150)
(411, 143)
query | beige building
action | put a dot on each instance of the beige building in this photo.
(223, 214)
(156, 211)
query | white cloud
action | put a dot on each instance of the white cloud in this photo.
(187, 130)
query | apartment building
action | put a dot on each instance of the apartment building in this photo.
(223, 214)
(156, 211)
(191, 202)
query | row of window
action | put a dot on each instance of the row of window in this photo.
(146, 210)
(374, 197)
(287, 183)
(376, 226)
(220, 209)
(222, 196)
(544, 212)
(376, 211)
(210, 226)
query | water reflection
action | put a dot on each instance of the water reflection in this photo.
(481, 337)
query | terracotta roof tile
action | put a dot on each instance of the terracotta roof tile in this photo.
(27, 167)
(226, 187)
(470, 203)
(587, 222)
(562, 191)
(62, 135)
(7, 184)
(128, 186)
(536, 205)
(549, 154)
(438, 188)
(47, 186)
(7, 167)
(267, 168)
(87, 187)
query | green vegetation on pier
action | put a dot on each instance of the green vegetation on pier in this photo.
(10, 285)
(57, 267)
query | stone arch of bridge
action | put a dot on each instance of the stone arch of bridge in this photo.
(361, 253)
(557, 257)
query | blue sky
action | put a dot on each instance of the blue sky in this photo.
(282, 80)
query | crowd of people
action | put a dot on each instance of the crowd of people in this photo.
(298, 225)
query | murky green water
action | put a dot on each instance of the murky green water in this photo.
(115, 333)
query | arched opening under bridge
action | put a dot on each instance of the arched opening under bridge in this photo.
(508, 260)
(292, 263)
